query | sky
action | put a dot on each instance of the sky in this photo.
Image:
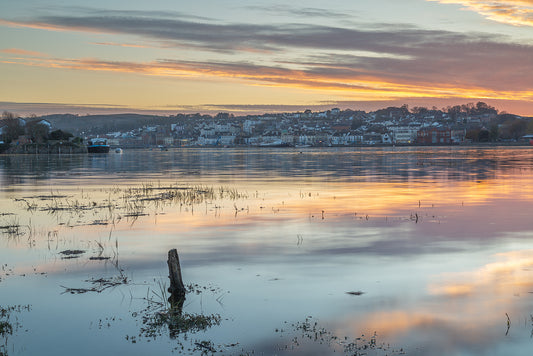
(244, 57)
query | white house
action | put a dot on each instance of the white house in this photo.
(207, 141)
(248, 126)
(403, 134)
(226, 140)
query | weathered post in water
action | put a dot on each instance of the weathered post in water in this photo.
(177, 289)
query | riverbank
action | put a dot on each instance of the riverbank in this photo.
(71, 148)
(45, 148)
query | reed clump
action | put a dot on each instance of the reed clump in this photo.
(310, 331)
(119, 202)
(161, 315)
(12, 227)
(9, 326)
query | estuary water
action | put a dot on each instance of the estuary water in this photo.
(377, 251)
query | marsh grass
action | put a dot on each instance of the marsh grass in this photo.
(101, 284)
(160, 317)
(176, 323)
(310, 331)
(5, 328)
(5, 271)
(119, 203)
(70, 254)
(9, 326)
(12, 227)
(356, 293)
(109, 206)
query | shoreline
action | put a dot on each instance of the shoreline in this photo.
(57, 149)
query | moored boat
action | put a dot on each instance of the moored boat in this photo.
(97, 145)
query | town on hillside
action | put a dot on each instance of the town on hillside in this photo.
(461, 124)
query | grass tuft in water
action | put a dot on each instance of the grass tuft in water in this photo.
(8, 327)
(311, 332)
(161, 316)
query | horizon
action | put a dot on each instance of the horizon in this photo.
(264, 57)
(44, 110)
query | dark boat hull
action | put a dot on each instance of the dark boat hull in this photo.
(98, 149)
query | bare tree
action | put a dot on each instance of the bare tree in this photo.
(37, 132)
(12, 127)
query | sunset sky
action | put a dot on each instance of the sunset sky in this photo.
(168, 56)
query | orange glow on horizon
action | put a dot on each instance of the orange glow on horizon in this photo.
(512, 12)
(367, 89)
(309, 85)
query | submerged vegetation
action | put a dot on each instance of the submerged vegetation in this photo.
(177, 322)
(11, 228)
(119, 203)
(8, 326)
(310, 331)
(162, 317)
(100, 284)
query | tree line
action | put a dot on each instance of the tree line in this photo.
(13, 127)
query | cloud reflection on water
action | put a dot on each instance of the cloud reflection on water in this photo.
(438, 240)
(458, 310)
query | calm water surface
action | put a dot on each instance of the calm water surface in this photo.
(438, 240)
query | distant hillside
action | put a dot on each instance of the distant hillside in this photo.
(100, 124)
(471, 117)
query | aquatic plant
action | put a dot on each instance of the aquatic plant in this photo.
(98, 285)
(177, 322)
(12, 228)
(161, 317)
(310, 331)
(5, 328)
(8, 327)
(130, 202)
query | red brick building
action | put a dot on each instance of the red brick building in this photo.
(434, 136)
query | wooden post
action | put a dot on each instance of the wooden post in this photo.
(176, 289)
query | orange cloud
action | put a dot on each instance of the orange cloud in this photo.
(513, 12)
(390, 323)
(509, 275)
(353, 63)
(47, 26)
(22, 52)
(364, 86)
